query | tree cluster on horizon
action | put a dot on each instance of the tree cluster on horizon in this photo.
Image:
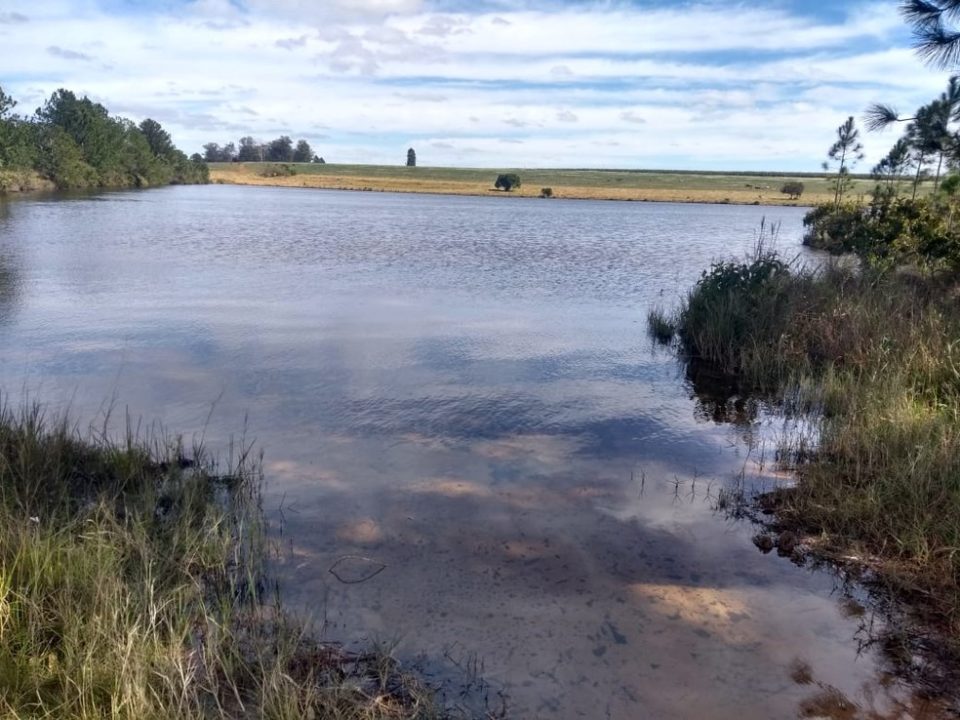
(76, 143)
(280, 150)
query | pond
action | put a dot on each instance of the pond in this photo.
(462, 390)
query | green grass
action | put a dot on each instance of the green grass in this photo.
(873, 360)
(660, 326)
(132, 586)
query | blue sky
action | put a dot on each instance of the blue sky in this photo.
(650, 84)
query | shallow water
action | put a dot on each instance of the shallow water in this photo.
(462, 390)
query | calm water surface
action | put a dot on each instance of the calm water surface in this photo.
(462, 389)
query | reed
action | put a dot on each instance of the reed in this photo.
(871, 360)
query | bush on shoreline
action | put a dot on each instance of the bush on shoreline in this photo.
(872, 359)
(891, 231)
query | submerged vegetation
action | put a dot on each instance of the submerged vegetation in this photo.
(74, 142)
(132, 585)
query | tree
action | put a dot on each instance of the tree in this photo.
(936, 41)
(12, 145)
(411, 158)
(280, 150)
(250, 150)
(890, 170)
(928, 133)
(159, 139)
(7, 104)
(793, 188)
(303, 153)
(847, 150)
(98, 136)
(211, 152)
(507, 181)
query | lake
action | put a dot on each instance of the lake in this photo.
(462, 390)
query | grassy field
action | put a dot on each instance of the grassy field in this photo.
(637, 185)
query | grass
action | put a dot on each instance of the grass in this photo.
(873, 360)
(660, 326)
(132, 585)
(638, 185)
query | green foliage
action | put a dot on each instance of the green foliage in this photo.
(157, 138)
(250, 150)
(845, 151)
(60, 159)
(7, 104)
(732, 304)
(936, 40)
(303, 152)
(411, 158)
(132, 587)
(793, 188)
(507, 181)
(870, 359)
(892, 231)
(280, 150)
(76, 143)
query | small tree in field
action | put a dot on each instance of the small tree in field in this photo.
(411, 158)
(507, 181)
(793, 188)
(847, 151)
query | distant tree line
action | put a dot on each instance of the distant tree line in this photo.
(77, 143)
(280, 150)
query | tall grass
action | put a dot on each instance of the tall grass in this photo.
(873, 358)
(132, 586)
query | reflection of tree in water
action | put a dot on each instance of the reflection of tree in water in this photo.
(9, 288)
(721, 397)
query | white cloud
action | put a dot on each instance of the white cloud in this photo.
(580, 86)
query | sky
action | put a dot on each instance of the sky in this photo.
(717, 84)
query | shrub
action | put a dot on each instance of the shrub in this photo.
(732, 305)
(271, 171)
(507, 181)
(546, 192)
(793, 188)
(890, 231)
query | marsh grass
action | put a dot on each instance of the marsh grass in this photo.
(872, 359)
(132, 585)
(660, 326)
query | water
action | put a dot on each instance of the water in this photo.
(462, 390)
